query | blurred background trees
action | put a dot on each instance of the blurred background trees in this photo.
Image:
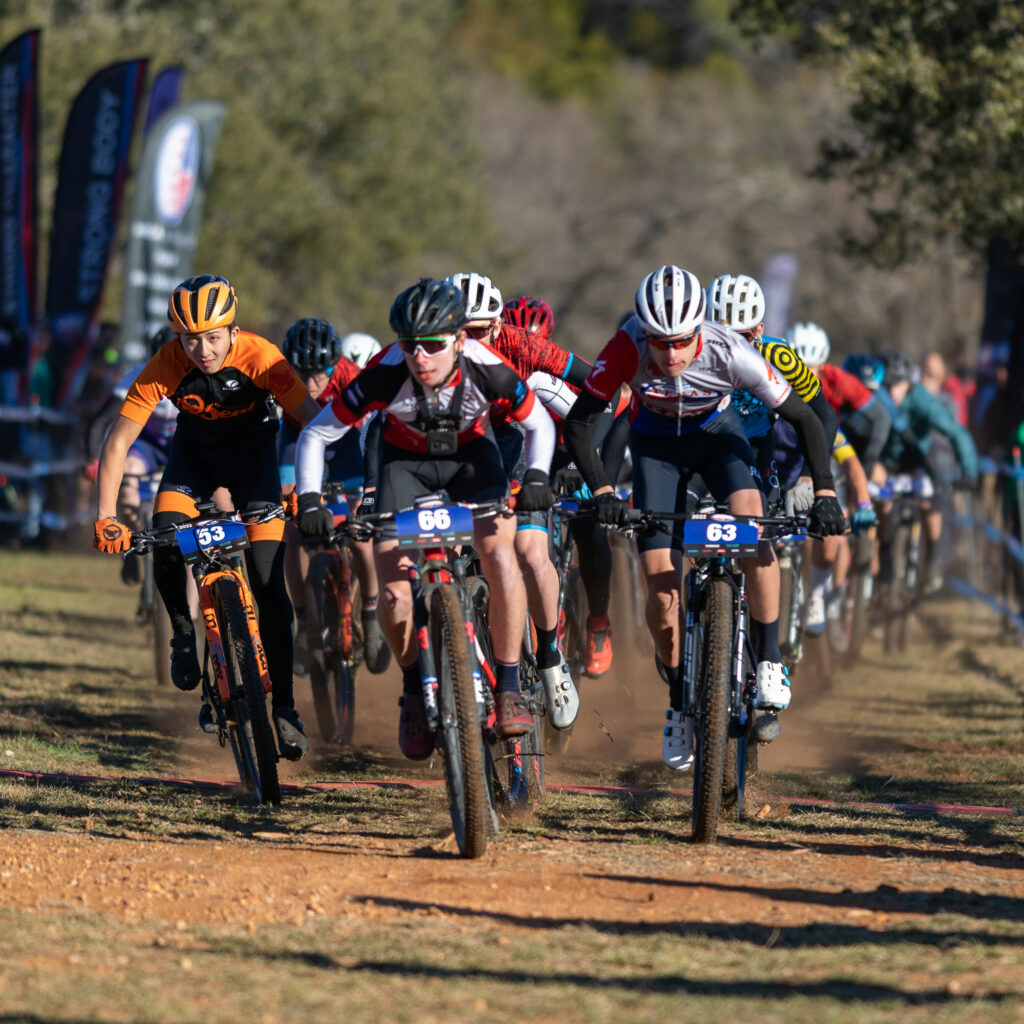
(566, 147)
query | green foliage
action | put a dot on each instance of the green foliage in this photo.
(937, 92)
(345, 166)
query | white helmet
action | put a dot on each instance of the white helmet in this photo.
(737, 302)
(810, 343)
(482, 299)
(670, 301)
(360, 348)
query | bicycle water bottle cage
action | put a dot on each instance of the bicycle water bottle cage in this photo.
(441, 431)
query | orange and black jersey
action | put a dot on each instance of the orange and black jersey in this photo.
(235, 405)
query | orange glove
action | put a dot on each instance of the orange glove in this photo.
(111, 536)
(290, 501)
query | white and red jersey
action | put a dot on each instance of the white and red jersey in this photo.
(670, 406)
(491, 384)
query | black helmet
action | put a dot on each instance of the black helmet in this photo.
(312, 345)
(898, 368)
(159, 339)
(428, 307)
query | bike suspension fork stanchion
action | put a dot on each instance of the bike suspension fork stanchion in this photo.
(688, 662)
(740, 646)
(428, 666)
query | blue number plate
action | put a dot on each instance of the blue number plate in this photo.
(440, 524)
(220, 536)
(706, 536)
(339, 508)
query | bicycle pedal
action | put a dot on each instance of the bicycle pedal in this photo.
(206, 719)
(766, 727)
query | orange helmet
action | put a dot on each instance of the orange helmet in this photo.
(202, 303)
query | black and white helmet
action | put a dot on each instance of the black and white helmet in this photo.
(480, 295)
(737, 302)
(670, 302)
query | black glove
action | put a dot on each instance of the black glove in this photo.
(535, 494)
(367, 504)
(611, 510)
(568, 480)
(826, 518)
(315, 520)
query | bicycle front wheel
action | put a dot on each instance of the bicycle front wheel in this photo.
(460, 729)
(330, 636)
(248, 719)
(711, 724)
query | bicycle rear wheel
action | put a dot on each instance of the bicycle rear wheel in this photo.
(711, 725)
(248, 709)
(460, 729)
(898, 603)
(572, 636)
(331, 640)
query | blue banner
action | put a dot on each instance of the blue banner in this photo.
(90, 187)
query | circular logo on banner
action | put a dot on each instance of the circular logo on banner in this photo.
(177, 169)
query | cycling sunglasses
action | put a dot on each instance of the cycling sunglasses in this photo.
(478, 332)
(431, 344)
(663, 344)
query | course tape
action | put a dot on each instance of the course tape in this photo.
(58, 778)
(965, 589)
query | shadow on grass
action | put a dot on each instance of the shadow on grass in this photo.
(885, 899)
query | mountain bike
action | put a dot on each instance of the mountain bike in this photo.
(460, 705)
(235, 678)
(150, 610)
(848, 630)
(905, 588)
(789, 551)
(334, 636)
(719, 685)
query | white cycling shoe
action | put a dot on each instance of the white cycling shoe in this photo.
(814, 615)
(560, 695)
(772, 685)
(677, 741)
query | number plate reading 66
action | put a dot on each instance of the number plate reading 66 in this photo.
(719, 536)
(220, 537)
(441, 524)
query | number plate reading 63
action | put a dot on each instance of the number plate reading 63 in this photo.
(218, 537)
(440, 524)
(719, 536)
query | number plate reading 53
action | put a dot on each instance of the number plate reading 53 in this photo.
(719, 536)
(441, 524)
(221, 537)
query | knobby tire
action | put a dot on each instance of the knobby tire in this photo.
(254, 735)
(711, 726)
(460, 732)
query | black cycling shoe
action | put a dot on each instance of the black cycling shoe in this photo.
(206, 720)
(291, 738)
(185, 671)
(766, 726)
(376, 652)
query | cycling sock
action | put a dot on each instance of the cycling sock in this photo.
(411, 681)
(819, 577)
(675, 687)
(370, 603)
(548, 655)
(507, 677)
(765, 637)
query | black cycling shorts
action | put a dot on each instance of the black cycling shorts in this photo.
(662, 467)
(473, 473)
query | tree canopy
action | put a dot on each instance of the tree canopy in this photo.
(936, 137)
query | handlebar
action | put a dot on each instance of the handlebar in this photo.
(144, 541)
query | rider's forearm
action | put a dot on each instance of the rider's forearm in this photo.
(813, 443)
(110, 476)
(322, 430)
(578, 431)
(539, 447)
(879, 424)
(826, 415)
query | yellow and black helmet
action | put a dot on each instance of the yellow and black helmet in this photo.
(202, 303)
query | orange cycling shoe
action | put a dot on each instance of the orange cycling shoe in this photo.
(599, 647)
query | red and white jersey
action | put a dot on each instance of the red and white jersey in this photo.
(669, 406)
(490, 385)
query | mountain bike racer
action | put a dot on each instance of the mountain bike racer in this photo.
(224, 382)
(436, 388)
(529, 352)
(682, 372)
(315, 350)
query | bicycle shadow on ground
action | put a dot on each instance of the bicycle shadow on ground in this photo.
(883, 899)
(814, 935)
